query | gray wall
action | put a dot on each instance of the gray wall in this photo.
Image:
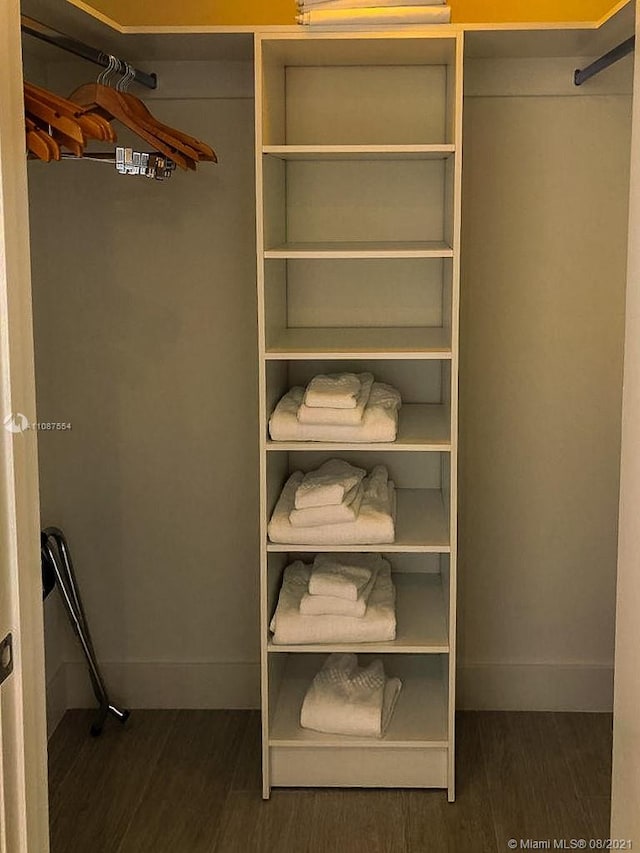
(145, 316)
(545, 228)
(146, 334)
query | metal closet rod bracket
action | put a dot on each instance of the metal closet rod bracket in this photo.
(615, 55)
(78, 48)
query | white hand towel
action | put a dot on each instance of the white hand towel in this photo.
(331, 605)
(290, 627)
(376, 16)
(308, 5)
(328, 485)
(379, 422)
(375, 524)
(342, 575)
(316, 516)
(333, 391)
(345, 417)
(349, 700)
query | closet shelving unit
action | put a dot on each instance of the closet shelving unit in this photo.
(358, 168)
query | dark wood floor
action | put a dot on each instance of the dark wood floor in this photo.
(189, 782)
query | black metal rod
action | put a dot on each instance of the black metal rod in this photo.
(615, 55)
(78, 48)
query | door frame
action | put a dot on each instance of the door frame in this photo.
(23, 731)
(23, 784)
(625, 800)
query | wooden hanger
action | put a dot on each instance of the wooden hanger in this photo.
(43, 146)
(93, 126)
(160, 131)
(189, 145)
(53, 122)
(48, 116)
(139, 108)
(95, 97)
(37, 146)
(62, 137)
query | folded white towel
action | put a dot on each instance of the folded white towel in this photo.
(349, 700)
(374, 525)
(331, 605)
(328, 485)
(346, 417)
(316, 516)
(379, 422)
(333, 391)
(307, 5)
(376, 16)
(290, 627)
(341, 575)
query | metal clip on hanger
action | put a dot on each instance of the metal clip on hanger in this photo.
(145, 164)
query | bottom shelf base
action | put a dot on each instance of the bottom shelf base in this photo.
(327, 767)
(413, 753)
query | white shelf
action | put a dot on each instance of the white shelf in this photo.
(360, 152)
(359, 160)
(340, 48)
(422, 527)
(421, 617)
(360, 343)
(396, 249)
(421, 427)
(420, 717)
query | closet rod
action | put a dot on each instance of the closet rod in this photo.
(78, 48)
(615, 55)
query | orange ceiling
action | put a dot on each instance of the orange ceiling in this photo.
(146, 13)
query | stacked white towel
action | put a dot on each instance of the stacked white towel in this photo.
(340, 586)
(331, 495)
(311, 412)
(365, 521)
(376, 614)
(372, 13)
(347, 699)
(333, 391)
(330, 484)
(372, 419)
(341, 575)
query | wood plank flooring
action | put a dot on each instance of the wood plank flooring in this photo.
(189, 782)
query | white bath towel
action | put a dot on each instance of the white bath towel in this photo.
(337, 417)
(328, 485)
(331, 605)
(290, 627)
(316, 516)
(333, 391)
(375, 524)
(342, 575)
(379, 422)
(347, 699)
(376, 16)
(308, 5)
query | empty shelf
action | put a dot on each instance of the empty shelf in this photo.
(422, 621)
(420, 717)
(421, 427)
(360, 152)
(422, 527)
(396, 249)
(360, 343)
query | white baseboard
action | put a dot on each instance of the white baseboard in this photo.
(535, 687)
(56, 698)
(169, 685)
(481, 687)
